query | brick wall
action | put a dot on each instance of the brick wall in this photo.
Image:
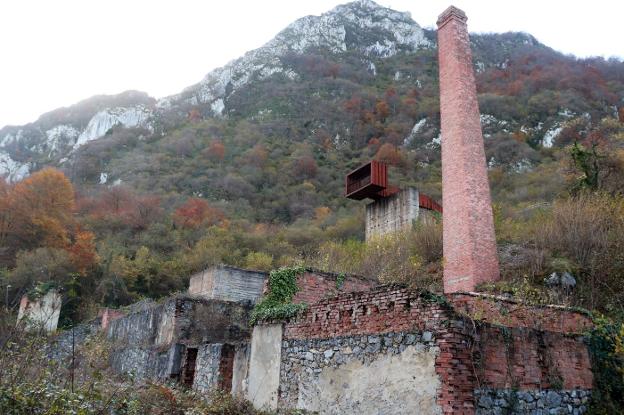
(380, 310)
(510, 313)
(474, 353)
(530, 359)
(317, 285)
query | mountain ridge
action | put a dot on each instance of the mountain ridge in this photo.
(354, 42)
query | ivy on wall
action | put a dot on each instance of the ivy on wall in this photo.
(606, 347)
(277, 304)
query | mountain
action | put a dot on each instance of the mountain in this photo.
(326, 93)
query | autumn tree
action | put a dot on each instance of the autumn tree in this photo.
(40, 211)
(382, 110)
(305, 166)
(389, 154)
(197, 212)
(194, 115)
(82, 251)
(215, 151)
(258, 155)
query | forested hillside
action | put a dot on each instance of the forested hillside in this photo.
(121, 197)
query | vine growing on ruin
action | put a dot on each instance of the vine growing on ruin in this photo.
(606, 347)
(277, 304)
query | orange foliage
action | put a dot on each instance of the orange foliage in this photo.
(121, 206)
(258, 155)
(197, 212)
(353, 105)
(374, 143)
(305, 166)
(39, 212)
(215, 151)
(382, 109)
(194, 115)
(389, 154)
(82, 252)
(321, 213)
(42, 207)
(519, 136)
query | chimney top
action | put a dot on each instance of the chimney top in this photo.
(451, 13)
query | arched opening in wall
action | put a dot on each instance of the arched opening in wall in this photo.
(188, 373)
(226, 367)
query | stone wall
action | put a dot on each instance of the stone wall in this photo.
(392, 214)
(153, 341)
(207, 367)
(228, 283)
(391, 373)
(538, 402)
(59, 345)
(334, 349)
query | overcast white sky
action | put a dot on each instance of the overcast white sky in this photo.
(54, 53)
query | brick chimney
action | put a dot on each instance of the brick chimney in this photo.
(469, 242)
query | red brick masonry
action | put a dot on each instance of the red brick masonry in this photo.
(474, 352)
(317, 285)
(505, 312)
(468, 232)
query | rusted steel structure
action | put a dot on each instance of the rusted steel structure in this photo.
(367, 181)
(425, 202)
(370, 181)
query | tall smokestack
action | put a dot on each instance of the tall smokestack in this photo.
(469, 242)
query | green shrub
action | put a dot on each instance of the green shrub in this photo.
(277, 304)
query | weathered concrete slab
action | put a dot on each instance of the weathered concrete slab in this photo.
(264, 366)
(228, 283)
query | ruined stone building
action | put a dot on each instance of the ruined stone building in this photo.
(40, 312)
(363, 348)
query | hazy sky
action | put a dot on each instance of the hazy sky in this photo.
(54, 53)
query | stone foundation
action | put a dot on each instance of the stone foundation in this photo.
(364, 352)
(544, 402)
(390, 373)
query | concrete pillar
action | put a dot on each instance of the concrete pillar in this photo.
(469, 242)
(392, 214)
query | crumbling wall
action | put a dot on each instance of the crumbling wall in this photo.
(390, 373)
(59, 347)
(41, 313)
(314, 285)
(241, 369)
(152, 340)
(207, 367)
(339, 348)
(509, 313)
(228, 283)
(264, 366)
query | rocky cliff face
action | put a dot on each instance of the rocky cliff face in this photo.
(362, 27)
(55, 136)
